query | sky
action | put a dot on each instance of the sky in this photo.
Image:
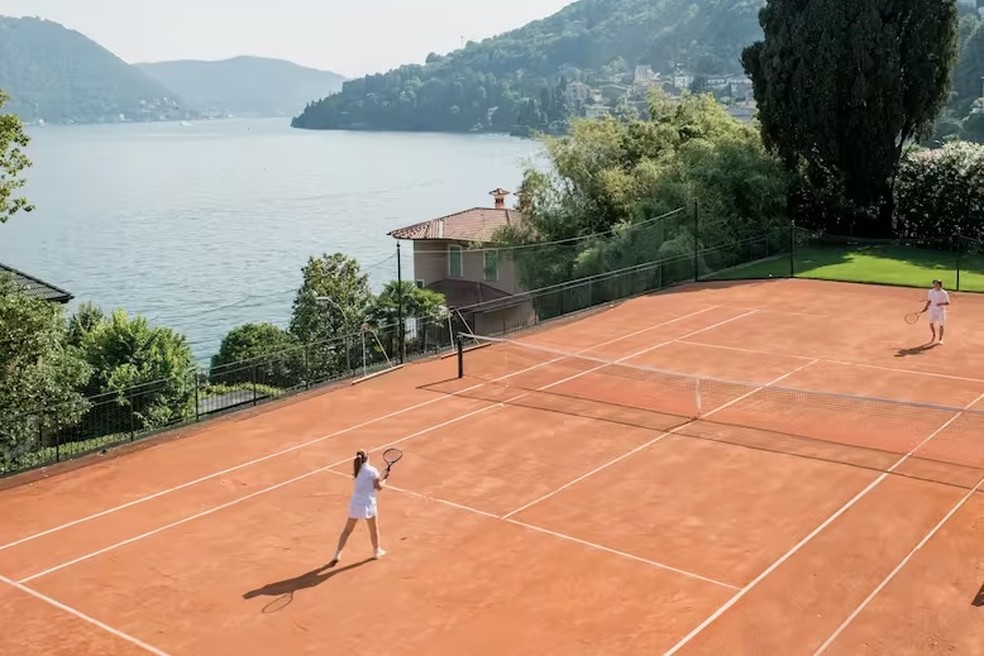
(350, 37)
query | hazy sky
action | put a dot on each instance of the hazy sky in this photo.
(351, 37)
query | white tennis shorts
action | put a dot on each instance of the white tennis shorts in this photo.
(938, 317)
(361, 507)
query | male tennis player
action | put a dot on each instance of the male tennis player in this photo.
(937, 302)
(362, 505)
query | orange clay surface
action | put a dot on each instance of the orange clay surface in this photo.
(715, 488)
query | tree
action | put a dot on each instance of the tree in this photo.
(844, 87)
(258, 352)
(13, 161)
(333, 299)
(418, 303)
(85, 319)
(39, 374)
(423, 305)
(619, 194)
(331, 307)
(141, 373)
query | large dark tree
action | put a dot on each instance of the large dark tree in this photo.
(843, 87)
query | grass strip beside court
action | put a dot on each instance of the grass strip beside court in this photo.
(888, 265)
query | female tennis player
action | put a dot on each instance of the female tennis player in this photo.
(936, 302)
(363, 504)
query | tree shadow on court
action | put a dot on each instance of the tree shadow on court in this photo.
(979, 599)
(915, 350)
(284, 590)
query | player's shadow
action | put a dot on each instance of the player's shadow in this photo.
(979, 599)
(310, 579)
(916, 350)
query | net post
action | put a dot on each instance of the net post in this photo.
(461, 357)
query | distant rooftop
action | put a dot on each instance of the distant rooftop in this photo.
(36, 287)
(478, 224)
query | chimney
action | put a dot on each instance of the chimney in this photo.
(500, 197)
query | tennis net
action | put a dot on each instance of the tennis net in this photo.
(935, 442)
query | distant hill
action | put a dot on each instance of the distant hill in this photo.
(244, 86)
(527, 76)
(60, 76)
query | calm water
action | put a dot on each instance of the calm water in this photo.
(204, 227)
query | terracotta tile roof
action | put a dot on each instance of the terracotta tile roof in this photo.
(465, 293)
(477, 225)
(35, 287)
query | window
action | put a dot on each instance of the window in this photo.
(491, 266)
(454, 261)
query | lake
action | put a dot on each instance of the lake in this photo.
(206, 226)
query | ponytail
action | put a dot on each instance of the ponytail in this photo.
(360, 458)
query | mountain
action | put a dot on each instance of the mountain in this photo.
(244, 86)
(60, 76)
(549, 69)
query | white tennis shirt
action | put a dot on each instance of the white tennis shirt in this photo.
(365, 488)
(938, 296)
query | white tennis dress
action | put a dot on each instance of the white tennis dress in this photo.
(937, 313)
(363, 503)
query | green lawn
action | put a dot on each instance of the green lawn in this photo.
(892, 265)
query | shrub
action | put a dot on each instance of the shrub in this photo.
(940, 194)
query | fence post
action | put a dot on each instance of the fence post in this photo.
(254, 384)
(197, 415)
(792, 247)
(306, 371)
(959, 251)
(696, 245)
(399, 304)
(132, 422)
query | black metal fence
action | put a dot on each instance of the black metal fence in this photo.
(60, 431)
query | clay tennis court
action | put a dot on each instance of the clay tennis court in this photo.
(702, 477)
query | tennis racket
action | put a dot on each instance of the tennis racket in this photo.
(912, 317)
(391, 456)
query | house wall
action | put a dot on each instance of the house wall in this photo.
(430, 264)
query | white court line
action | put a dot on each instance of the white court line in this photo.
(562, 536)
(650, 443)
(799, 545)
(324, 468)
(317, 440)
(239, 500)
(898, 568)
(829, 361)
(82, 616)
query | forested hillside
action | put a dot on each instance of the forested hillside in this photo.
(548, 70)
(60, 76)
